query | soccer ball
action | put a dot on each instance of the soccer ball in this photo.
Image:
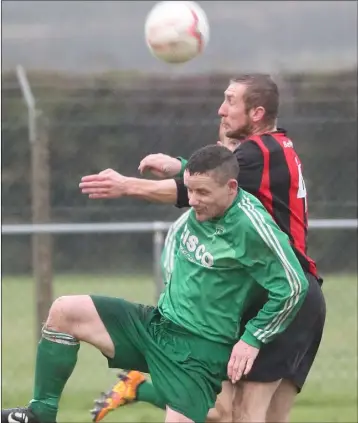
(176, 31)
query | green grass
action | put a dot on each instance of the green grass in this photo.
(329, 396)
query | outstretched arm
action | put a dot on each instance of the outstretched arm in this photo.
(111, 184)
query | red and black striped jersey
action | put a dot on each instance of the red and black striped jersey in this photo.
(271, 170)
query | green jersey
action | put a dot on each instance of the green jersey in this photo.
(215, 270)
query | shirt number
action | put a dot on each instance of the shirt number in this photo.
(301, 192)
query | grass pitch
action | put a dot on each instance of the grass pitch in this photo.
(330, 394)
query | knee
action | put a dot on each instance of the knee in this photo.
(62, 314)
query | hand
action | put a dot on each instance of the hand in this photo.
(160, 165)
(106, 184)
(242, 358)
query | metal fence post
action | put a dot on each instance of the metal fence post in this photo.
(40, 193)
(158, 242)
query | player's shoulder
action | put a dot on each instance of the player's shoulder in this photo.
(245, 204)
(253, 148)
(275, 146)
(248, 150)
(257, 222)
(252, 227)
(253, 215)
(238, 225)
(249, 201)
(269, 141)
(276, 141)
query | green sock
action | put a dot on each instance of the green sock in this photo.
(55, 362)
(147, 393)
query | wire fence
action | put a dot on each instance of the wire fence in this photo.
(90, 123)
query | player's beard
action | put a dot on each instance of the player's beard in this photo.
(243, 132)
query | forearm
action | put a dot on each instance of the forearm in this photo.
(164, 191)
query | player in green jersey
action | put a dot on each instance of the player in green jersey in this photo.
(133, 385)
(187, 341)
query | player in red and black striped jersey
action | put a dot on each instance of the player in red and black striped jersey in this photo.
(278, 182)
(271, 170)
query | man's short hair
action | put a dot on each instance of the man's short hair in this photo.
(215, 160)
(261, 91)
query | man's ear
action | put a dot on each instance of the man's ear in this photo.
(233, 185)
(257, 114)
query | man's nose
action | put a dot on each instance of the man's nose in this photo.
(193, 201)
(222, 110)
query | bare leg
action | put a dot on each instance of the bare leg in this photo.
(252, 400)
(172, 416)
(222, 413)
(282, 403)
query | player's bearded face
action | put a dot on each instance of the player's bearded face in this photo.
(208, 197)
(234, 116)
(242, 131)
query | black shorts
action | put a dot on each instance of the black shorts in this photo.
(291, 355)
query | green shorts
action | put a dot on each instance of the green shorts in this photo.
(186, 370)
